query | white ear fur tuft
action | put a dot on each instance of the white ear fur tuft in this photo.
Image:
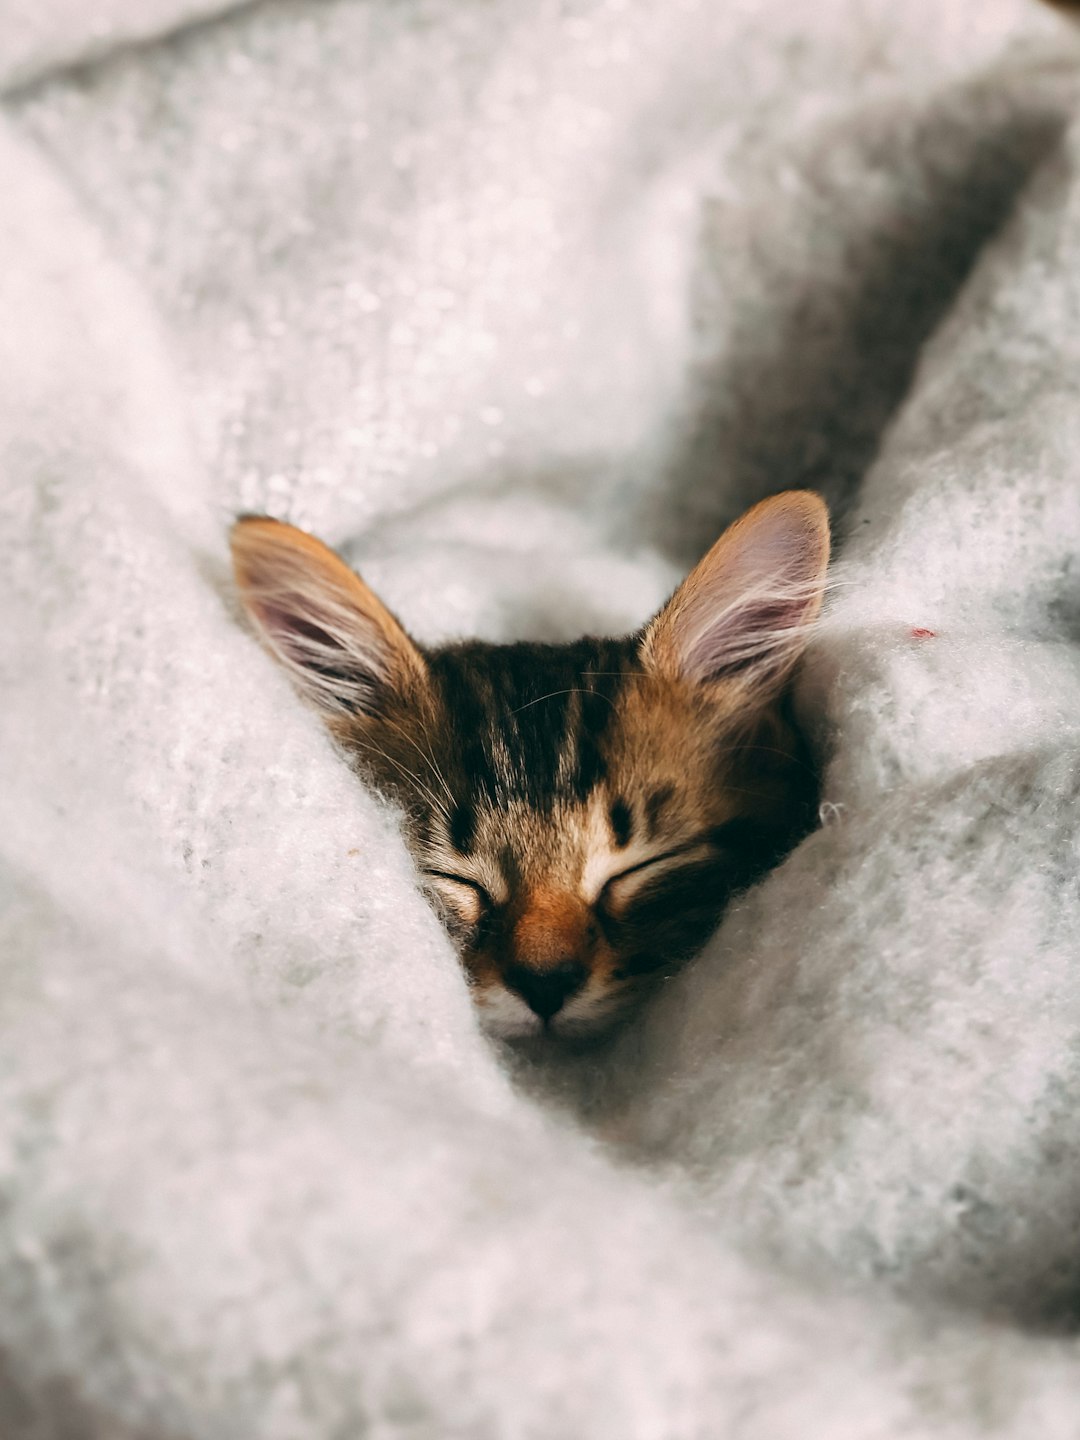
(744, 611)
(340, 645)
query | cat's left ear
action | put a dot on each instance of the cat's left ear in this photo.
(744, 611)
(342, 648)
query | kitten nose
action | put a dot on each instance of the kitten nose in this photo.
(546, 991)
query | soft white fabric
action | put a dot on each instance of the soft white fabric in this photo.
(519, 302)
(45, 35)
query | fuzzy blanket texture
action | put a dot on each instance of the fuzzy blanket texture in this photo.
(518, 302)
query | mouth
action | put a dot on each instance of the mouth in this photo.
(505, 1017)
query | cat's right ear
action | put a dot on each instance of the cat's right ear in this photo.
(342, 648)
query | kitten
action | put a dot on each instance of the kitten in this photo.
(580, 813)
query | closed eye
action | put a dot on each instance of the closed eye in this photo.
(467, 900)
(622, 887)
(626, 883)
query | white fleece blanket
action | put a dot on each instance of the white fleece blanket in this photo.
(519, 301)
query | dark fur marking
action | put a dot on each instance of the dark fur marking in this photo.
(622, 822)
(516, 710)
(744, 832)
(463, 828)
(750, 846)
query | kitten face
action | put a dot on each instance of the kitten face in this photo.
(580, 822)
(580, 814)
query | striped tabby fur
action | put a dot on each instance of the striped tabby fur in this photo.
(580, 813)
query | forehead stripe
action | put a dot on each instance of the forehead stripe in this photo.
(463, 827)
(622, 822)
(531, 721)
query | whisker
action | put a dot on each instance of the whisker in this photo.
(573, 690)
(409, 774)
(426, 754)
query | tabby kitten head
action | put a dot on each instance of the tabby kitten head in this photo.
(580, 813)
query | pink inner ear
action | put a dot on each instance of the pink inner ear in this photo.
(341, 646)
(323, 666)
(759, 632)
(746, 608)
(334, 652)
(314, 645)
